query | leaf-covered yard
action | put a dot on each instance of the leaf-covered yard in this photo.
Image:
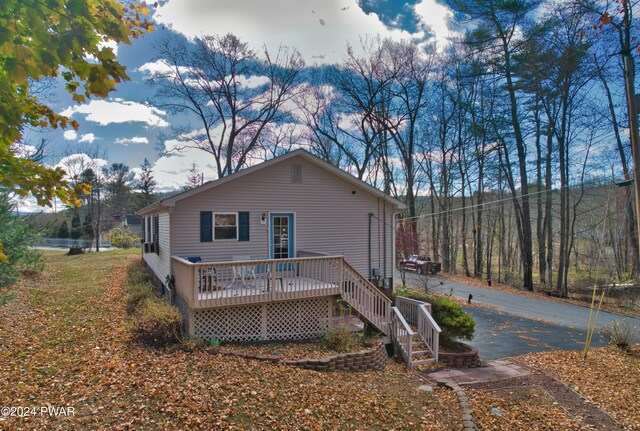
(64, 342)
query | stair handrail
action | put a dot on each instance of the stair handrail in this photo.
(418, 313)
(429, 329)
(375, 308)
(402, 336)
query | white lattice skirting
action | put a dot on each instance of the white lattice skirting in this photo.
(287, 320)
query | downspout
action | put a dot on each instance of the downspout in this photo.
(393, 250)
(370, 275)
(384, 242)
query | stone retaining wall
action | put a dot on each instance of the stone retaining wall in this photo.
(470, 359)
(365, 360)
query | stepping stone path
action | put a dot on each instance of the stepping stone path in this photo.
(503, 374)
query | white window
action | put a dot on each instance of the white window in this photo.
(225, 226)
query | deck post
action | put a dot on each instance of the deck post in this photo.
(192, 329)
(193, 291)
(341, 275)
(273, 280)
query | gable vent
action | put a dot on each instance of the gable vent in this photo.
(296, 173)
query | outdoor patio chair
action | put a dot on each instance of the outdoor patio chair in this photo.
(206, 277)
(244, 271)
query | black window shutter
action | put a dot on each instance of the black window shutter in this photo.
(156, 235)
(148, 237)
(243, 226)
(206, 226)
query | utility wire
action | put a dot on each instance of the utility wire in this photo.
(506, 199)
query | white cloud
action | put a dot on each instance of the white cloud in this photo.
(319, 29)
(134, 140)
(24, 150)
(252, 81)
(159, 67)
(88, 137)
(70, 135)
(435, 17)
(74, 164)
(109, 44)
(171, 171)
(111, 111)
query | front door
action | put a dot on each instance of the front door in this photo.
(281, 236)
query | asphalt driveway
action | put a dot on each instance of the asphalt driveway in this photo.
(513, 325)
(500, 334)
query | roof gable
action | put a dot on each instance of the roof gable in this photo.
(329, 168)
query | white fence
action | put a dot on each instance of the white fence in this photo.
(68, 243)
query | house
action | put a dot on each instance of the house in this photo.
(263, 254)
(134, 224)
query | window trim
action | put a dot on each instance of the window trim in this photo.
(213, 226)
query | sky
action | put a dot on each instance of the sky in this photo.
(127, 128)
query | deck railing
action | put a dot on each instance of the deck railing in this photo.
(418, 314)
(223, 284)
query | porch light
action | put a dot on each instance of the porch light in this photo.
(263, 218)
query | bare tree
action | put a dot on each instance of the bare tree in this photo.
(232, 92)
(498, 36)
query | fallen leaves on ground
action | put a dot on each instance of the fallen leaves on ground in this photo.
(284, 351)
(64, 342)
(520, 408)
(610, 378)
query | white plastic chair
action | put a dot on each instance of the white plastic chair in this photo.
(242, 271)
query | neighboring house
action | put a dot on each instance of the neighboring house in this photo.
(134, 224)
(264, 253)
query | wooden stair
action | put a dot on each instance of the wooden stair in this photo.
(366, 300)
(420, 354)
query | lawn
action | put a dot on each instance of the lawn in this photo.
(64, 342)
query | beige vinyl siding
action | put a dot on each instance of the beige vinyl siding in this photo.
(160, 264)
(329, 217)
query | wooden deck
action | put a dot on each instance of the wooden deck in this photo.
(264, 290)
(207, 285)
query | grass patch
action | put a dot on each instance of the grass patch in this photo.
(153, 321)
(4, 299)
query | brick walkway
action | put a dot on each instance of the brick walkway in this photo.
(494, 370)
